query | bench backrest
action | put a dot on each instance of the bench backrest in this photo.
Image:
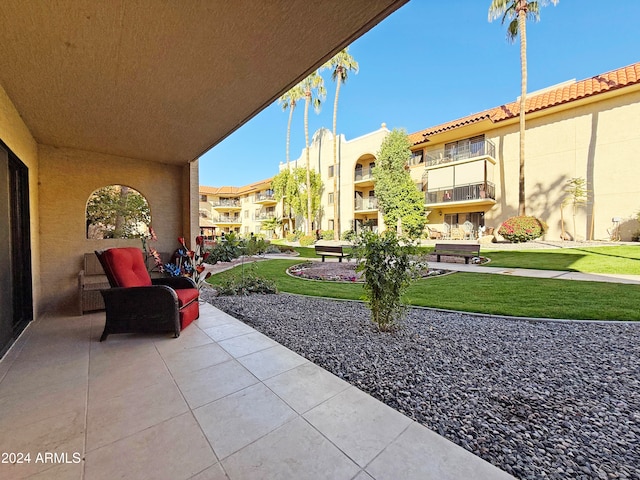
(328, 248)
(463, 247)
(92, 265)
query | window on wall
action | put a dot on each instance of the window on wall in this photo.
(469, 147)
(117, 211)
(203, 198)
(416, 158)
(331, 169)
(330, 199)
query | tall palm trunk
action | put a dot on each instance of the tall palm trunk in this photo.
(306, 139)
(522, 26)
(285, 202)
(336, 198)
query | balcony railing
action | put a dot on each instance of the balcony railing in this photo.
(461, 193)
(264, 216)
(471, 150)
(262, 197)
(227, 219)
(366, 204)
(364, 174)
(226, 203)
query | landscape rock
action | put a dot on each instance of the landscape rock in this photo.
(537, 399)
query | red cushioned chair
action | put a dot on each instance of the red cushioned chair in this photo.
(135, 303)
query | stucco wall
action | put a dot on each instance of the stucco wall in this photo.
(15, 134)
(67, 179)
(349, 152)
(597, 141)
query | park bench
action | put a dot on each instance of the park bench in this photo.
(466, 250)
(331, 251)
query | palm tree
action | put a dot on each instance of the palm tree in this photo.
(341, 64)
(517, 12)
(314, 93)
(289, 101)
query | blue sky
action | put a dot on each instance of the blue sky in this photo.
(431, 62)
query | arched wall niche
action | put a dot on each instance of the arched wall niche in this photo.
(117, 212)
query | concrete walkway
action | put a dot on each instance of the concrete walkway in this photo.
(528, 272)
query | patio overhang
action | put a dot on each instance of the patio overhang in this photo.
(163, 81)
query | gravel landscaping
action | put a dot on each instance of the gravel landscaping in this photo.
(537, 399)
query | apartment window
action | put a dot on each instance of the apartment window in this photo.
(416, 158)
(330, 199)
(246, 214)
(331, 225)
(331, 170)
(203, 198)
(246, 230)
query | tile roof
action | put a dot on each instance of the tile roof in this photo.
(568, 92)
(235, 191)
(418, 137)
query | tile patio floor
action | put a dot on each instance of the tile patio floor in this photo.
(221, 401)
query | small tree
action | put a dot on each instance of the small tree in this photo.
(388, 272)
(576, 196)
(271, 224)
(300, 201)
(401, 202)
(284, 189)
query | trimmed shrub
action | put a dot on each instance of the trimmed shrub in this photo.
(246, 283)
(294, 237)
(307, 240)
(327, 234)
(255, 245)
(348, 235)
(273, 249)
(388, 271)
(246, 286)
(522, 229)
(226, 250)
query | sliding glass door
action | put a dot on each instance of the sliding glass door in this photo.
(16, 296)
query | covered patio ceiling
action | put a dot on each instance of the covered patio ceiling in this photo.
(160, 80)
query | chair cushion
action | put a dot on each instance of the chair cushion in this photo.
(186, 296)
(188, 314)
(125, 267)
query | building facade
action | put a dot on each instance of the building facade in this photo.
(468, 168)
(586, 129)
(242, 210)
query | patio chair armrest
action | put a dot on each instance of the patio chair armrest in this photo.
(177, 283)
(141, 309)
(145, 301)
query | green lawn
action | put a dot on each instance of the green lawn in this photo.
(484, 293)
(624, 259)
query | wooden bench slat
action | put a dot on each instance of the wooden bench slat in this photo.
(465, 250)
(331, 251)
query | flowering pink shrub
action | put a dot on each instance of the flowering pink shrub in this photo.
(522, 229)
